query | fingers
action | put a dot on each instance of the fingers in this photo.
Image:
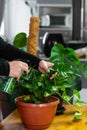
(44, 66)
(19, 75)
(16, 69)
(42, 70)
(49, 64)
(24, 67)
(53, 75)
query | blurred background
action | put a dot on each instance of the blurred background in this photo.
(64, 16)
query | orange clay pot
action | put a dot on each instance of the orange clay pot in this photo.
(37, 116)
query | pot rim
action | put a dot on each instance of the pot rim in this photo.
(56, 101)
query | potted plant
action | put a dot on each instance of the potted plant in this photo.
(20, 41)
(37, 87)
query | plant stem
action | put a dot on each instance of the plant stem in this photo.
(69, 103)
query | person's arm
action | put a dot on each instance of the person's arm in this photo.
(4, 68)
(9, 52)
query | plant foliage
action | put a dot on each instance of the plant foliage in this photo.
(37, 85)
(20, 40)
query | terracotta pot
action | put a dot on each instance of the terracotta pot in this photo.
(37, 116)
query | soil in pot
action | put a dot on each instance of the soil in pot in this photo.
(37, 116)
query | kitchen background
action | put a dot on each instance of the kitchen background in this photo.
(68, 17)
(18, 12)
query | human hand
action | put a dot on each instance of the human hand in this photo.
(44, 67)
(16, 68)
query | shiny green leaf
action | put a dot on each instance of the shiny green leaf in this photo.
(20, 40)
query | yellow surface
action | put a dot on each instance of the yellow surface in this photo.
(60, 122)
(65, 121)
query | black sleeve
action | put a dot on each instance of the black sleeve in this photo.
(9, 52)
(4, 68)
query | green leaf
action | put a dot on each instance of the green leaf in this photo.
(85, 69)
(26, 98)
(77, 115)
(79, 103)
(70, 53)
(76, 93)
(66, 97)
(77, 84)
(20, 40)
(57, 53)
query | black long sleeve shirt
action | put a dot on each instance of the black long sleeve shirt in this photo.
(8, 52)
